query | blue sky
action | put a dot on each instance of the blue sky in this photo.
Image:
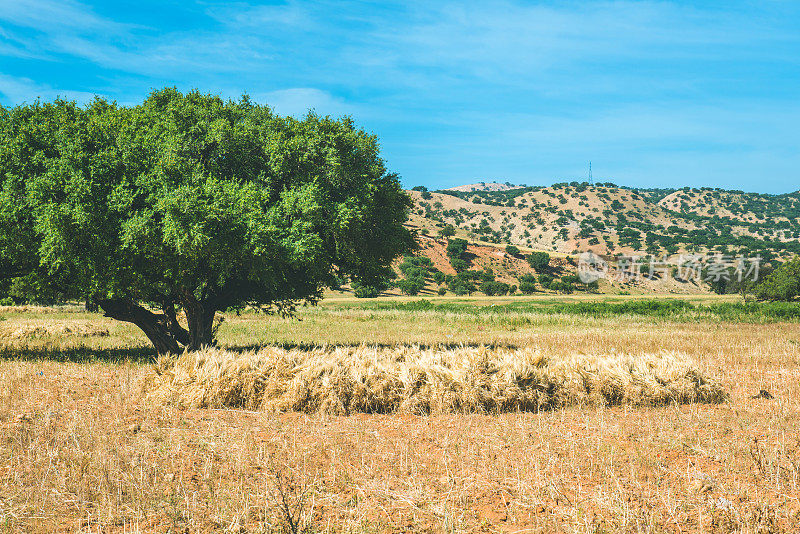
(655, 94)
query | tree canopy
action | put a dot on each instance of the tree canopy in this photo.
(190, 202)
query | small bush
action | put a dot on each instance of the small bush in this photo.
(493, 288)
(447, 231)
(365, 292)
(539, 260)
(458, 264)
(545, 280)
(456, 248)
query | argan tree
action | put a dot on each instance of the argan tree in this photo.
(193, 203)
(538, 260)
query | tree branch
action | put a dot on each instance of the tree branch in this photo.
(157, 327)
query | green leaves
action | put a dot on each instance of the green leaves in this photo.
(781, 285)
(192, 193)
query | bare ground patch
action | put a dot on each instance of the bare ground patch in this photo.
(83, 450)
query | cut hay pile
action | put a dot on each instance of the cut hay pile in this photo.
(417, 380)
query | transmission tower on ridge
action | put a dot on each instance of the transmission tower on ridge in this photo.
(591, 180)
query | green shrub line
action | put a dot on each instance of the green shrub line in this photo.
(671, 309)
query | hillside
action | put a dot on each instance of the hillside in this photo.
(508, 268)
(610, 219)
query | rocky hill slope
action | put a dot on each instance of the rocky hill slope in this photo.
(607, 219)
(569, 219)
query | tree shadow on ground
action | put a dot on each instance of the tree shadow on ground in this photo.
(334, 346)
(148, 355)
(78, 354)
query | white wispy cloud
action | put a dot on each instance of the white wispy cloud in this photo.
(24, 90)
(454, 86)
(297, 101)
(45, 14)
(260, 17)
(414, 46)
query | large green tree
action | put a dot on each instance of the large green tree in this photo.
(190, 202)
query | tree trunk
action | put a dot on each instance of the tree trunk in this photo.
(157, 327)
(175, 328)
(200, 318)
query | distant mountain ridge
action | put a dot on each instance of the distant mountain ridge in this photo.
(610, 219)
(484, 186)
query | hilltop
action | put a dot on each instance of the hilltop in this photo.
(484, 186)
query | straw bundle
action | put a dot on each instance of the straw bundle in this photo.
(345, 380)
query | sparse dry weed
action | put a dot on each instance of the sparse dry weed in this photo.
(33, 331)
(83, 450)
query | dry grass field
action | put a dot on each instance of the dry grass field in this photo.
(86, 447)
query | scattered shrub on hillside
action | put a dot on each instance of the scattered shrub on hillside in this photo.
(492, 288)
(448, 231)
(458, 264)
(539, 260)
(456, 248)
(527, 284)
(457, 252)
(486, 275)
(462, 284)
(416, 270)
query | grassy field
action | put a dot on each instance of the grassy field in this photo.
(84, 450)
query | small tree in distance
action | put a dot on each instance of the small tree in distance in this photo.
(457, 251)
(448, 231)
(783, 284)
(527, 284)
(539, 260)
